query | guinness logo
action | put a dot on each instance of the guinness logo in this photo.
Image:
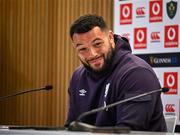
(171, 8)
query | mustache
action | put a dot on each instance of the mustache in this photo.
(94, 58)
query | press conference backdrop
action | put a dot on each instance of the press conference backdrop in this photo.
(152, 28)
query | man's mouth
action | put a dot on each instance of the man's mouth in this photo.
(96, 60)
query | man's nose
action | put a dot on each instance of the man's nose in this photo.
(92, 51)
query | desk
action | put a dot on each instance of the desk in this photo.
(64, 132)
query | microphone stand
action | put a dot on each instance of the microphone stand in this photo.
(47, 87)
(119, 102)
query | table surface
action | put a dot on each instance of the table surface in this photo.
(65, 132)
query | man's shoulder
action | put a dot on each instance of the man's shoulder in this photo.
(76, 76)
(78, 72)
(132, 62)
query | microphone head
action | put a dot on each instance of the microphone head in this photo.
(165, 89)
(48, 87)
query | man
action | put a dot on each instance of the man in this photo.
(110, 73)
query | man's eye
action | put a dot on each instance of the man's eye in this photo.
(98, 44)
(82, 49)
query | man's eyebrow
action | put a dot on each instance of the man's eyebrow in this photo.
(78, 45)
(96, 39)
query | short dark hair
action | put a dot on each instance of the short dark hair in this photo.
(86, 23)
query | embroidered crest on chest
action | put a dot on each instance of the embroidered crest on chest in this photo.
(106, 89)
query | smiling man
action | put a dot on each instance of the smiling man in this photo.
(94, 49)
(110, 73)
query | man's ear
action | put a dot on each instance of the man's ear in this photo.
(111, 36)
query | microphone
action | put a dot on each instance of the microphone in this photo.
(80, 126)
(47, 88)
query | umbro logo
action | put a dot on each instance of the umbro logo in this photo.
(82, 92)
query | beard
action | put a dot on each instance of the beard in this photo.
(105, 66)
